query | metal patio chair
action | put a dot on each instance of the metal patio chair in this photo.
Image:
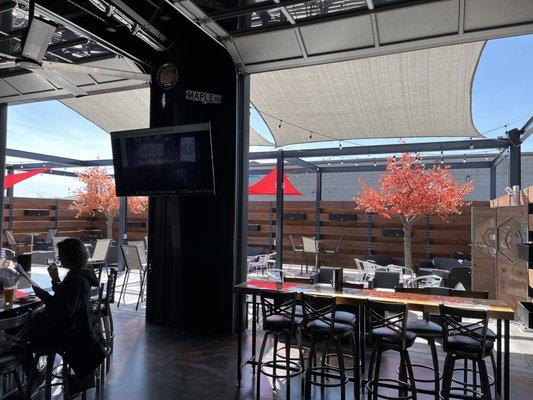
(132, 262)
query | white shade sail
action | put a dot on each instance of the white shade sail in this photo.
(418, 93)
(115, 111)
(257, 140)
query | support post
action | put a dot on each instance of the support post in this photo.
(492, 182)
(515, 159)
(3, 138)
(122, 235)
(279, 210)
(10, 191)
(318, 200)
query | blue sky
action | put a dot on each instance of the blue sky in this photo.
(502, 94)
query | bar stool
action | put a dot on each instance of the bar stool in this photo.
(279, 320)
(466, 341)
(429, 331)
(321, 326)
(388, 331)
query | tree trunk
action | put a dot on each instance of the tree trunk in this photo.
(407, 253)
(109, 225)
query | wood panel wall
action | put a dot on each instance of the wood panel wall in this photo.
(432, 237)
(61, 217)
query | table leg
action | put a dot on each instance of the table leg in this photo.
(239, 341)
(506, 359)
(254, 330)
(356, 360)
(499, 358)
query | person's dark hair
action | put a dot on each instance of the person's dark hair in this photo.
(73, 253)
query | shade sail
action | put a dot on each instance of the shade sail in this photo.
(117, 111)
(13, 179)
(418, 93)
(267, 186)
(257, 140)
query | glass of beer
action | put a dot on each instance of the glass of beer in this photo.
(9, 294)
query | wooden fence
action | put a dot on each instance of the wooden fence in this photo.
(362, 234)
(35, 216)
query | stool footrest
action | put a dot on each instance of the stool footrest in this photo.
(295, 369)
(374, 384)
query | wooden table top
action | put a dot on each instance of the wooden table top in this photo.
(497, 309)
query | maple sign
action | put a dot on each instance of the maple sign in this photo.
(408, 190)
(99, 195)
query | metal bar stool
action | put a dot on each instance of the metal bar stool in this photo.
(430, 331)
(466, 341)
(321, 326)
(388, 331)
(279, 320)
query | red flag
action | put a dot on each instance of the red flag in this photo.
(10, 180)
(267, 186)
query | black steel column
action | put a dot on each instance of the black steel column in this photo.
(3, 138)
(318, 200)
(279, 210)
(515, 159)
(122, 235)
(240, 240)
(10, 191)
(492, 183)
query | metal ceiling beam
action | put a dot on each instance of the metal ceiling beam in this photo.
(370, 168)
(43, 157)
(304, 164)
(480, 144)
(527, 129)
(80, 163)
(62, 173)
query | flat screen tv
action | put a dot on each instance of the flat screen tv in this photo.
(173, 160)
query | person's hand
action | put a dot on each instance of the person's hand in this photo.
(53, 272)
(40, 293)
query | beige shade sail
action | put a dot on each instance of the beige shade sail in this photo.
(257, 140)
(116, 111)
(418, 93)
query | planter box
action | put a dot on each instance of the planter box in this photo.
(525, 313)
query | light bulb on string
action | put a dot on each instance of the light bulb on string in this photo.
(486, 156)
(280, 121)
(356, 162)
(375, 163)
(471, 145)
(311, 135)
(464, 159)
(340, 145)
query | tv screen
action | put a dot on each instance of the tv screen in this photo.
(174, 160)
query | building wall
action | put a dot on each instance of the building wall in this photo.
(344, 185)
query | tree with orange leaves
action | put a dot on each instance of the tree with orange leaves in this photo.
(99, 194)
(409, 190)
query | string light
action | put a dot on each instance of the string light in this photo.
(340, 145)
(464, 159)
(441, 156)
(375, 163)
(311, 135)
(356, 162)
(280, 121)
(486, 156)
(471, 144)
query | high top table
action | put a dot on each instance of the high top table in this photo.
(496, 309)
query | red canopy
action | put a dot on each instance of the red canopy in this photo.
(267, 186)
(10, 180)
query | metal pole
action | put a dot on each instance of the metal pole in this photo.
(10, 191)
(515, 159)
(318, 200)
(3, 138)
(279, 210)
(122, 235)
(492, 182)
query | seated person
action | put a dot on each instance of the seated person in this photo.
(68, 321)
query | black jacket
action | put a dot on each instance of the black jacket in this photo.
(70, 322)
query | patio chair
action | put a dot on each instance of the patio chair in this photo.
(55, 241)
(426, 281)
(337, 248)
(132, 262)
(310, 246)
(47, 243)
(258, 263)
(298, 249)
(386, 279)
(142, 250)
(99, 256)
(12, 241)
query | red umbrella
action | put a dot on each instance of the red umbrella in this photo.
(267, 186)
(11, 180)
